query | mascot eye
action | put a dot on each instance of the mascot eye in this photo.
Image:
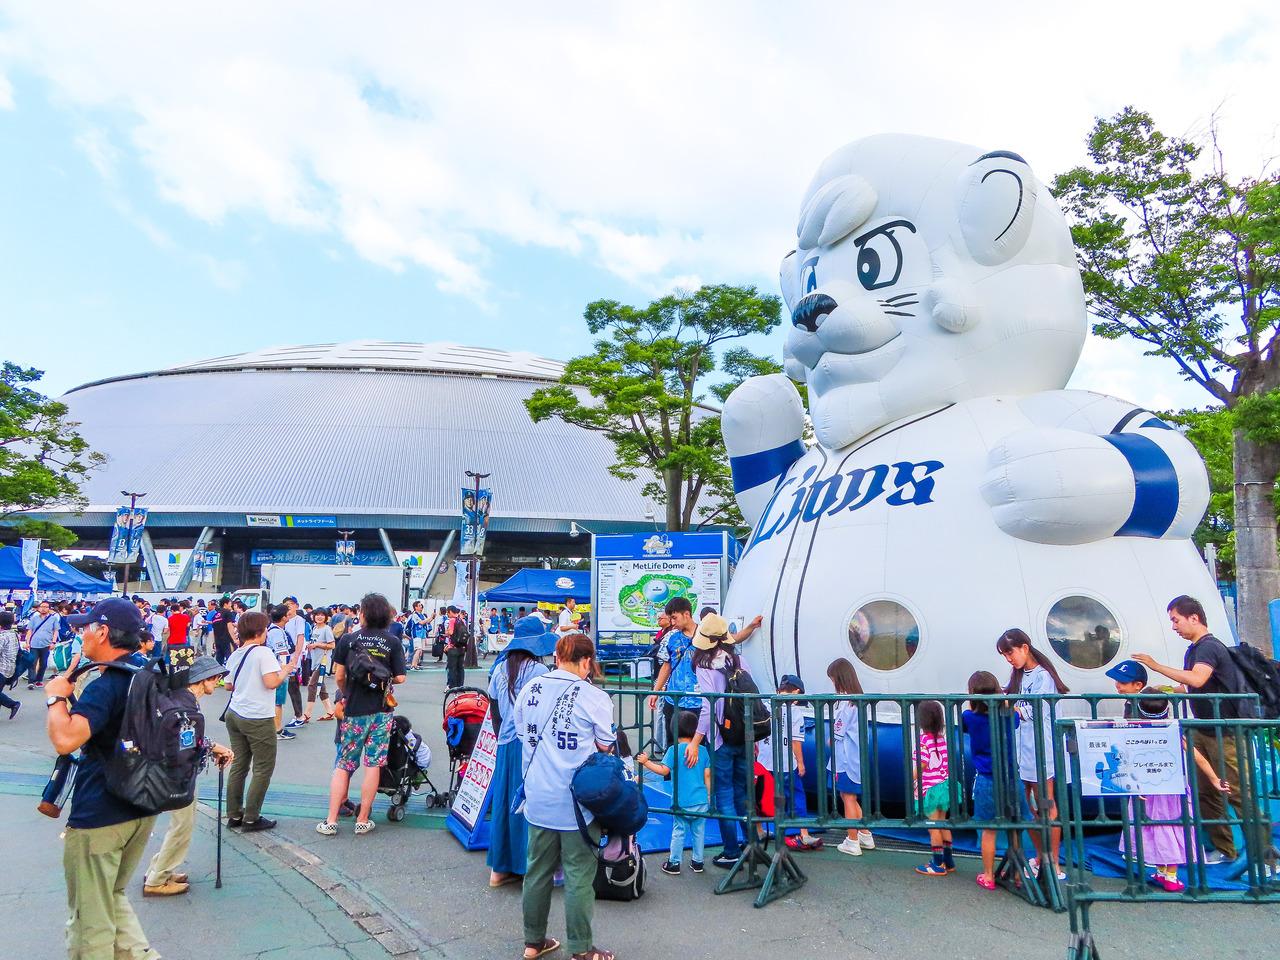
(809, 276)
(879, 259)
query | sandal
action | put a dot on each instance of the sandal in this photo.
(984, 883)
(327, 716)
(547, 945)
(504, 880)
(594, 953)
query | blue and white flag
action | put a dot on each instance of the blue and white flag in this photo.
(126, 535)
(475, 520)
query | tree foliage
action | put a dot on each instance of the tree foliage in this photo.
(43, 461)
(1212, 433)
(647, 379)
(1177, 255)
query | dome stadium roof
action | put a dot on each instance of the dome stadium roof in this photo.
(378, 431)
(374, 355)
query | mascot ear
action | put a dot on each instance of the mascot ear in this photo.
(997, 204)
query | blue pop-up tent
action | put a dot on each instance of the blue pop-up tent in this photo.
(56, 575)
(533, 585)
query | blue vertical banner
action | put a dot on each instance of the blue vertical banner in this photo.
(126, 535)
(475, 520)
(31, 562)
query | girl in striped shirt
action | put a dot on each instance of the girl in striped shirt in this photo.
(931, 785)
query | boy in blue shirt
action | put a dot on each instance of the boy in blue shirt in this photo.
(693, 791)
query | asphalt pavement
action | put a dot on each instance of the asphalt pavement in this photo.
(410, 890)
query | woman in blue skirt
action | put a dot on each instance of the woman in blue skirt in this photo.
(515, 667)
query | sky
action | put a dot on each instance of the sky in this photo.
(188, 181)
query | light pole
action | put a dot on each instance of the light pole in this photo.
(473, 567)
(133, 505)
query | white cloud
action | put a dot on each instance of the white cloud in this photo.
(660, 140)
(6, 93)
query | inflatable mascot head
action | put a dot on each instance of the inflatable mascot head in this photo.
(926, 273)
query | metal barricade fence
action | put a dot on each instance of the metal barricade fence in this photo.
(889, 799)
(1243, 754)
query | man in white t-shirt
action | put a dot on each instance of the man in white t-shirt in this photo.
(253, 676)
(566, 623)
(561, 720)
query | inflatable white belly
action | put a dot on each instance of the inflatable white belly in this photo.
(885, 552)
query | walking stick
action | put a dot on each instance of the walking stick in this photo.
(217, 883)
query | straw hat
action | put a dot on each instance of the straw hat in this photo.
(712, 630)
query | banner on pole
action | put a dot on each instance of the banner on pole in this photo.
(126, 535)
(475, 520)
(30, 557)
(462, 583)
(1131, 758)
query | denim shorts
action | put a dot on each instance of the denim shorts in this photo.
(845, 785)
(282, 693)
(984, 799)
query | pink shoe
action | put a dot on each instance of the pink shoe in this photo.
(1169, 884)
(985, 883)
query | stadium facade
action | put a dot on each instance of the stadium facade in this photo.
(266, 455)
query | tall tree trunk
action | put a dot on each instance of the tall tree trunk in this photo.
(1257, 563)
(673, 480)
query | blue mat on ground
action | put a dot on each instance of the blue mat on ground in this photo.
(655, 835)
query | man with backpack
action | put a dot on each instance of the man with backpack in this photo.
(455, 650)
(106, 835)
(1209, 667)
(366, 665)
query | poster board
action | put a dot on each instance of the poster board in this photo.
(1120, 758)
(468, 818)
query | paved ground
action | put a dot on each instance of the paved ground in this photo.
(409, 889)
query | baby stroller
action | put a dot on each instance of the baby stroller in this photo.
(408, 758)
(464, 712)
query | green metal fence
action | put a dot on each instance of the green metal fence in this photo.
(887, 725)
(1242, 754)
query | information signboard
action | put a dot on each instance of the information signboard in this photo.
(1131, 758)
(467, 815)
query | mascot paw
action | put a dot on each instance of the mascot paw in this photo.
(1058, 486)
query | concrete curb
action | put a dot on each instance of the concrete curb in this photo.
(392, 932)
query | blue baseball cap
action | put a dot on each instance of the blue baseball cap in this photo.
(792, 681)
(116, 612)
(1128, 671)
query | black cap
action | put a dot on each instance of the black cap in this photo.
(116, 612)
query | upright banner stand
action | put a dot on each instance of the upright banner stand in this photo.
(468, 818)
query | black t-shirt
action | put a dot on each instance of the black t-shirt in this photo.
(222, 621)
(1224, 679)
(361, 701)
(101, 703)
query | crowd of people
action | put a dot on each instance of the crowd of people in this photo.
(548, 720)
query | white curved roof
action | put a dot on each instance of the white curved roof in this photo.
(374, 355)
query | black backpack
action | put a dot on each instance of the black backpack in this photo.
(733, 728)
(461, 635)
(620, 878)
(154, 762)
(1261, 676)
(367, 668)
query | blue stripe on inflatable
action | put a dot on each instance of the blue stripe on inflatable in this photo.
(764, 467)
(1156, 423)
(1155, 483)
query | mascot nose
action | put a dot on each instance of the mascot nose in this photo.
(810, 311)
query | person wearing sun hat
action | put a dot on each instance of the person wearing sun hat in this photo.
(714, 660)
(517, 664)
(161, 879)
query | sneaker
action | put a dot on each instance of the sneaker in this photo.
(13, 711)
(865, 840)
(852, 847)
(364, 826)
(347, 809)
(171, 888)
(796, 843)
(31, 686)
(1213, 857)
(724, 861)
(327, 829)
(696, 866)
(671, 869)
(262, 823)
(931, 869)
(235, 823)
(39, 683)
(286, 735)
(296, 722)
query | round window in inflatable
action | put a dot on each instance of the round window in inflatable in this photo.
(883, 634)
(1083, 632)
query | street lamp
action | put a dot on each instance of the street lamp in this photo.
(133, 505)
(575, 529)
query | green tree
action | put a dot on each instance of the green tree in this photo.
(43, 461)
(1184, 258)
(1212, 433)
(647, 380)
